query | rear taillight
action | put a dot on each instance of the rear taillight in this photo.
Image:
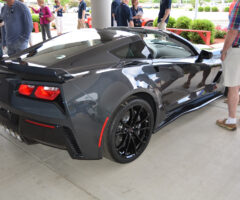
(48, 93)
(41, 92)
(26, 89)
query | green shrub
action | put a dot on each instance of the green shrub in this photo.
(220, 34)
(200, 9)
(226, 9)
(171, 23)
(202, 24)
(190, 9)
(35, 18)
(184, 22)
(215, 9)
(207, 9)
(155, 23)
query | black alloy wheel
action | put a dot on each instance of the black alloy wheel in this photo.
(130, 131)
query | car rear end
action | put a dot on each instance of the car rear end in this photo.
(32, 107)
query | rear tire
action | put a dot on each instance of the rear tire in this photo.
(129, 131)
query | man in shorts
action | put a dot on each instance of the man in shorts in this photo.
(81, 14)
(164, 13)
(231, 68)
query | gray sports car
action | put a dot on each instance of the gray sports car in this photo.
(103, 92)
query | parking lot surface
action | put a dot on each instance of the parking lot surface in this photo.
(191, 158)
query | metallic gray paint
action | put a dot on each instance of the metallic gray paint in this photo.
(96, 86)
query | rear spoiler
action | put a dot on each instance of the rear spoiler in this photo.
(36, 73)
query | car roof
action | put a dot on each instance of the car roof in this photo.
(61, 49)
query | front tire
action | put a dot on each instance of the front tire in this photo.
(129, 131)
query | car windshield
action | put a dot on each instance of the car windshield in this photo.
(165, 47)
(161, 45)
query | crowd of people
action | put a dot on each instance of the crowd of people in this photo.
(123, 15)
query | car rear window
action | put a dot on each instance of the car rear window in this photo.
(69, 45)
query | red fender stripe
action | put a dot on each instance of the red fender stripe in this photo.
(101, 135)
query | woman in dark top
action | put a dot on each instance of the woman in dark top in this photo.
(137, 13)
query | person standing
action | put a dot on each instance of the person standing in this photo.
(137, 13)
(30, 37)
(17, 26)
(59, 10)
(44, 14)
(231, 68)
(164, 13)
(81, 14)
(114, 7)
(231, 7)
(124, 15)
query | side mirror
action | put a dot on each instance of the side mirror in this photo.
(204, 55)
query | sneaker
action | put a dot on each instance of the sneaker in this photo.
(230, 127)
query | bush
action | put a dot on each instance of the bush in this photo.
(220, 32)
(190, 9)
(171, 22)
(35, 18)
(215, 9)
(207, 9)
(155, 23)
(226, 9)
(184, 22)
(200, 9)
(202, 24)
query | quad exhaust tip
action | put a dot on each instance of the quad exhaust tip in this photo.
(13, 134)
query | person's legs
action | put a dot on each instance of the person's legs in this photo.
(80, 24)
(233, 99)
(79, 21)
(61, 25)
(57, 21)
(43, 32)
(47, 29)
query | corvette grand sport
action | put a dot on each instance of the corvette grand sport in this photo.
(103, 92)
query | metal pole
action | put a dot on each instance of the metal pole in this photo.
(101, 13)
(196, 8)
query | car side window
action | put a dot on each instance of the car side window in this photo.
(133, 50)
(164, 47)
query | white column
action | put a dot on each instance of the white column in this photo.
(196, 8)
(101, 13)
